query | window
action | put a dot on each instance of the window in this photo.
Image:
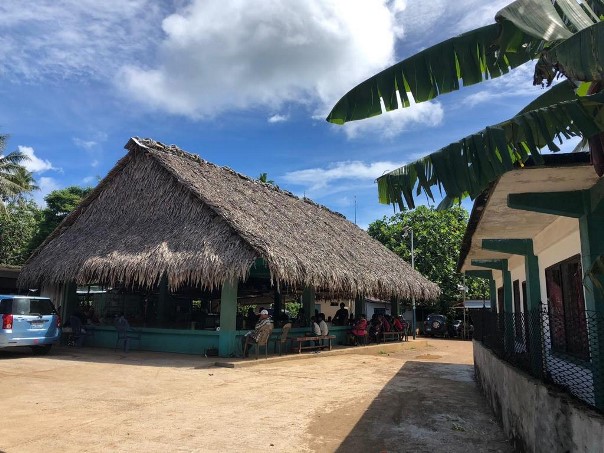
(566, 304)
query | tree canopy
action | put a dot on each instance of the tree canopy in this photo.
(59, 203)
(437, 236)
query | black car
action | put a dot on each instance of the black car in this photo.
(436, 324)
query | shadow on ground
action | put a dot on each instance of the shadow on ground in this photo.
(426, 407)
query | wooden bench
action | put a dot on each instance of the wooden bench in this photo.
(314, 345)
(392, 335)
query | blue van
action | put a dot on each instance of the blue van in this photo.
(29, 321)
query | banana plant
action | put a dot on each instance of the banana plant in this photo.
(564, 36)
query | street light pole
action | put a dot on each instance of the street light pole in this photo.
(409, 229)
(413, 297)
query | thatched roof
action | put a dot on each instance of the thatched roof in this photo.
(164, 211)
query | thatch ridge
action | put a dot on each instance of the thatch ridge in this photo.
(163, 211)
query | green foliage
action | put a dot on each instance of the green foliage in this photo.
(59, 203)
(19, 225)
(263, 177)
(437, 237)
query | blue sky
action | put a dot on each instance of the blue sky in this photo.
(243, 84)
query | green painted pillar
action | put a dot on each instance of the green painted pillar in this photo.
(228, 314)
(524, 247)
(162, 299)
(591, 227)
(359, 306)
(308, 303)
(70, 300)
(277, 304)
(493, 291)
(395, 307)
(508, 303)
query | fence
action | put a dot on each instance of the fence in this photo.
(560, 348)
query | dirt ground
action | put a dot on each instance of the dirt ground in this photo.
(416, 396)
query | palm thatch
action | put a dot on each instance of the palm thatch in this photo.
(162, 211)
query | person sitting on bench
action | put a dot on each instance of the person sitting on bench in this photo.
(359, 330)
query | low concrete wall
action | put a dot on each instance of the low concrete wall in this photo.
(538, 418)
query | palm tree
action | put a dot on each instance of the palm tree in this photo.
(264, 178)
(567, 39)
(14, 178)
(25, 179)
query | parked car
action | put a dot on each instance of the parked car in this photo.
(436, 324)
(29, 321)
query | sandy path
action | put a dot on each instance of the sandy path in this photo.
(97, 400)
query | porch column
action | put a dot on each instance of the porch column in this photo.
(228, 314)
(588, 207)
(359, 306)
(502, 265)
(525, 248)
(394, 307)
(162, 300)
(277, 305)
(70, 300)
(308, 303)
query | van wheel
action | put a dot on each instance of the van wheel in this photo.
(41, 350)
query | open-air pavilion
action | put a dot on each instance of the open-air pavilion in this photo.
(172, 240)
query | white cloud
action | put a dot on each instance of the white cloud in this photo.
(92, 41)
(85, 144)
(92, 147)
(46, 185)
(224, 56)
(34, 164)
(88, 180)
(349, 176)
(277, 118)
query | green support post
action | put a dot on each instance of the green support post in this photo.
(508, 303)
(524, 247)
(359, 307)
(70, 300)
(162, 301)
(277, 305)
(588, 207)
(308, 303)
(394, 307)
(228, 314)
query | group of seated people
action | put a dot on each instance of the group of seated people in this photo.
(370, 331)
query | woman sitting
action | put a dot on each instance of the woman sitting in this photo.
(359, 331)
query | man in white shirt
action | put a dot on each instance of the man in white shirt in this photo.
(323, 325)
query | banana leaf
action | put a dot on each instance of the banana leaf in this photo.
(580, 57)
(522, 30)
(467, 167)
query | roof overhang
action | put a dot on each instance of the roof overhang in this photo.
(491, 218)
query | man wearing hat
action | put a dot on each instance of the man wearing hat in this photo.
(252, 336)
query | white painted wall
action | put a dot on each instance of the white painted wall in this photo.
(559, 241)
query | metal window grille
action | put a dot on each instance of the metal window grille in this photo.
(564, 350)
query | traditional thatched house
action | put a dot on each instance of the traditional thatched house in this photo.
(164, 223)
